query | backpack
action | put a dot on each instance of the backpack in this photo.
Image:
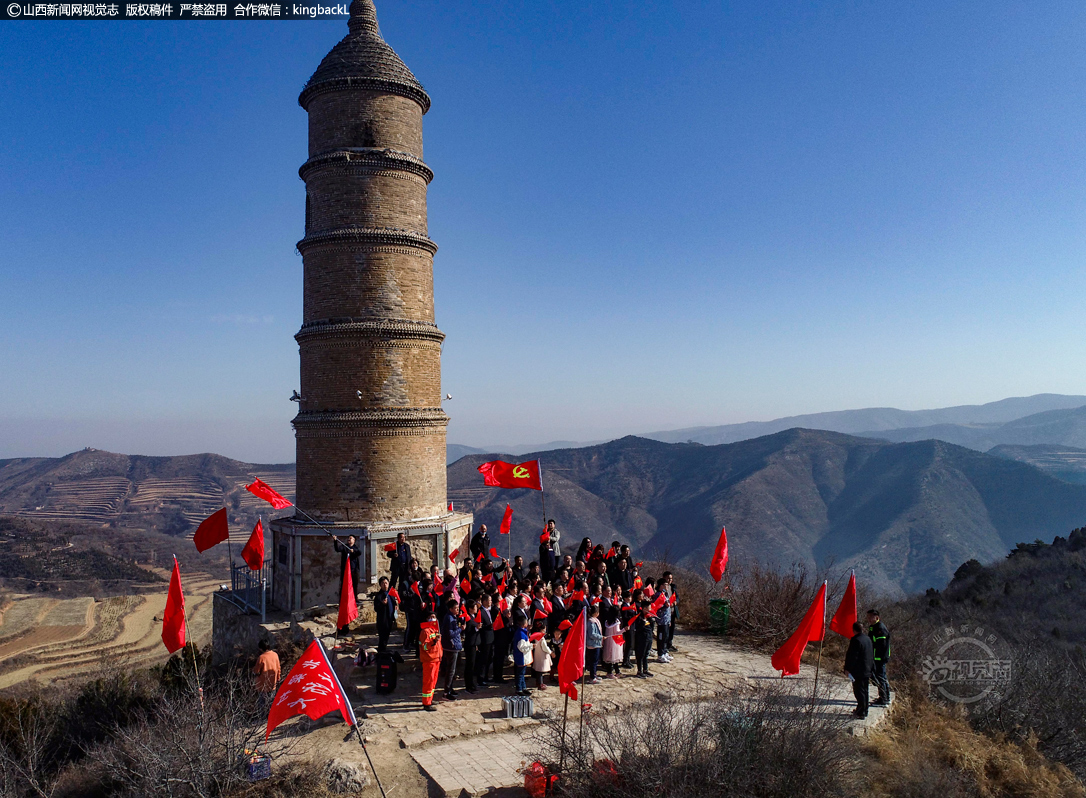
(386, 671)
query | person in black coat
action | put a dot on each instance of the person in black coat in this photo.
(351, 550)
(401, 559)
(547, 560)
(880, 644)
(472, 629)
(486, 640)
(859, 661)
(519, 572)
(384, 605)
(480, 543)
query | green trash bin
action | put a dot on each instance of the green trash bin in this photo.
(719, 612)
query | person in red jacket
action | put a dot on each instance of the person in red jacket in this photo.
(430, 655)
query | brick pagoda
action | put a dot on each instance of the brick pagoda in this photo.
(370, 429)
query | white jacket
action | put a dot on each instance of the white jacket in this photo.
(541, 658)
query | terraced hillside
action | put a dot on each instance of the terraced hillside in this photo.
(166, 494)
(46, 639)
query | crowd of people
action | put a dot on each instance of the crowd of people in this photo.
(471, 622)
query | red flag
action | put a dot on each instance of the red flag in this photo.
(499, 624)
(674, 599)
(454, 554)
(450, 507)
(810, 629)
(415, 587)
(395, 594)
(311, 688)
(847, 613)
(499, 474)
(465, 587)
(658, 604)
(494, 552)
(566, 624)
(534, 636)
(571, 661)
(173, 619)
(478, 616)
(479, 557)
(212, 530)
(390, 546)
(348, 609)
(507, 521)
(501, 587)
(253, 553)
(638, 565)
(610, 553)
(619, 639)
(720, 556)
(262, 490)
(539, 616)
(545, 536)
(572, 583)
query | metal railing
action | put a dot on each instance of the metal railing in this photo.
(249, 589)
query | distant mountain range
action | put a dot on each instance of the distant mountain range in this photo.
(881, 421)
(905, 515)
(1054, 420)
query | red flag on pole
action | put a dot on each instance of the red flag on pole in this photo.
(571, 660)
(810, 630)
(499, 474)
(453, 556)
(658, 604)
(720, 556)
(348, 608)
(499, 622)
(450, 507)
(173, 619)
(262, 490)
(212, 530)
(847, 612)
(311, 688)
(253, 553)
(507, 521)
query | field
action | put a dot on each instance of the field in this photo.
(48, 639)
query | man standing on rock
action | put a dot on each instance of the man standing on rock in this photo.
(859, 660)
(880, 643)
(480, 543)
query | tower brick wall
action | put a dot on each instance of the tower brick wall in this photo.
(370, 430)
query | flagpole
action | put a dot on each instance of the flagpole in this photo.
(195, 666)
(818, 662)
(565, 716)
(366, 751)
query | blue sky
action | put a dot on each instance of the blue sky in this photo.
(650, 215)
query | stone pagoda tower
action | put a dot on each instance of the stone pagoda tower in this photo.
(370, 428)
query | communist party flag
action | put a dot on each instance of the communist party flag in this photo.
(262, 490)
(720, 556)
(811, 629)
(507, 521)
(571, 660)
(847, 613)
(212, 530)
(499, 474)
(173, 619)
(348, 608)
(253, 553)
(311, 688)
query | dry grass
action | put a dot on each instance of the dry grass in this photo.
(929, 751)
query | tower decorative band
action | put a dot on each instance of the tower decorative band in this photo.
(370, 428)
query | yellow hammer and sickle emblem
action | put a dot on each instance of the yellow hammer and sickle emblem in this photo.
(520, 472)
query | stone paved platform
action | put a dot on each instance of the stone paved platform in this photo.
(468, 747)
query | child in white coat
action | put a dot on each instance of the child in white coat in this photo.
(541, 656)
